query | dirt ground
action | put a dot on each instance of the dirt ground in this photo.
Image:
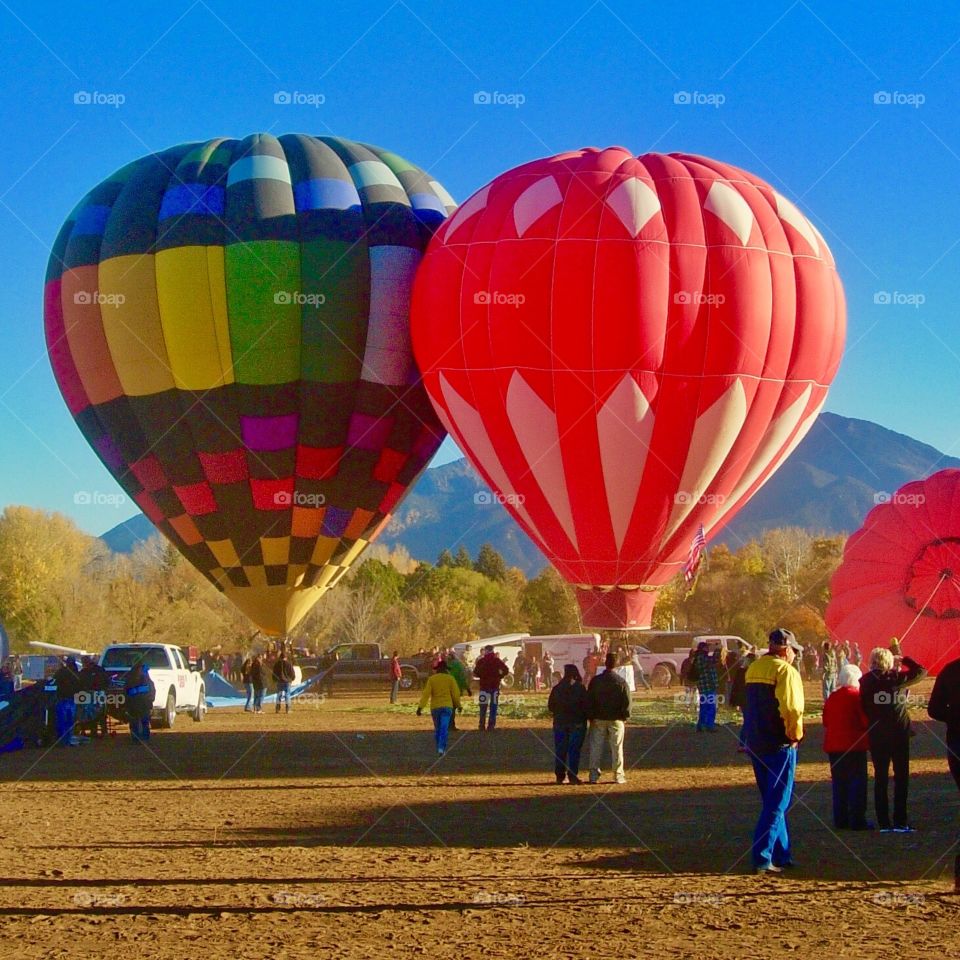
(336, 831)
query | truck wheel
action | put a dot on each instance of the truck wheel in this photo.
(408, 679)
(169, 711)
(662, 675)
(201, 708)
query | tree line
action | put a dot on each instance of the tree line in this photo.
(60, 585)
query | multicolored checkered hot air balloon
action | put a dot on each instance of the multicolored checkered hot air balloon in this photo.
(228, 324)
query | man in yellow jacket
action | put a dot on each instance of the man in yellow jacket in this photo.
(772, 731)
(442, 692)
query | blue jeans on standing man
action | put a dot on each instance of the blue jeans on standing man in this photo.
(248, 704)
(775, 773)
(707, 718)
(140, 728)
(567, 743)
(441, 726)
(283, 693)
(489, 699)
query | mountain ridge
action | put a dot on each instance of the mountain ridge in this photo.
(834, 477)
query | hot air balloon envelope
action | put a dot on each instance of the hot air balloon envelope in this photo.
(626, 348)
(228, 324)
(900, 574)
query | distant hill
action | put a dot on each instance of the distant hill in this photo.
(828, 485)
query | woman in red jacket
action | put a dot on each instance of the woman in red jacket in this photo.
(845, 741)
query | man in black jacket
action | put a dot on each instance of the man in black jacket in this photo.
(283, 676)
(608, 707)
(884, 699)
(568, 704)
(945, 706)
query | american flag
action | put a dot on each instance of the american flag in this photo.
(696, 553)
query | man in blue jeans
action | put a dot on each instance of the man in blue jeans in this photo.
(772, 731)
(490, 671)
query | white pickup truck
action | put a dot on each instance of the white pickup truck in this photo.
(179, 689)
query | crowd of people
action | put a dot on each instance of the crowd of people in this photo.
(865, 713)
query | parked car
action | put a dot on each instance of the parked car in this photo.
(179, 689)
(347, 665)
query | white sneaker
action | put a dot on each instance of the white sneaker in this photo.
(621, 779)
(439, 752)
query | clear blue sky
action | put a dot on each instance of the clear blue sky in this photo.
(882, 181)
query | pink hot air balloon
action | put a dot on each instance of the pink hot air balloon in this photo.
(900, 575)
(626, 348)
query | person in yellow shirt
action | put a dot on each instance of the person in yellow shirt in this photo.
(772, 731)
(442, 692)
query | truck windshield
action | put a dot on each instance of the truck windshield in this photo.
(119, 657)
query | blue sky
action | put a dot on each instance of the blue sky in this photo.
(791, 90)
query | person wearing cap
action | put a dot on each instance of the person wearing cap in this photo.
(490, 671)
(845, 743)
(772, 731)
(885, 700)
(568, 704)
(608, 708)
(945, 706)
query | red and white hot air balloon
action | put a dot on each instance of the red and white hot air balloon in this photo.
(626, 348)
(900, 574)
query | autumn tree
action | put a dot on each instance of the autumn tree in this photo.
(549, 605)
(490, 563)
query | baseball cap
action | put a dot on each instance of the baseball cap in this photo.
(784, 638)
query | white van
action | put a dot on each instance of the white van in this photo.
(564, 648)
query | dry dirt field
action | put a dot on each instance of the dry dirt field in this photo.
(336, 832)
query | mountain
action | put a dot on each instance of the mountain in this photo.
(834, 477)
